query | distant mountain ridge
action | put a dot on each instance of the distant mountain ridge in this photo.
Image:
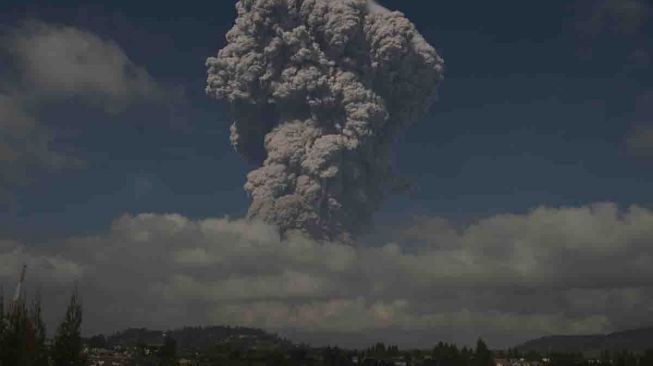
(636, 340)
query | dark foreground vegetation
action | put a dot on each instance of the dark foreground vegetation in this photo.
(24, 342)
(23, 336)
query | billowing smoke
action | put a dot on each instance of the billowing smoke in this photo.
(320, 90)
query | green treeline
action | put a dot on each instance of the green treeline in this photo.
(378, 355)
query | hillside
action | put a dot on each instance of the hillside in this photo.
(197, 338)
(636, 340)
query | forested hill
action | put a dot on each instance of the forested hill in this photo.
(192, 338)
(635, 340)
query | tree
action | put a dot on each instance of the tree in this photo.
(533, 356)
(168, 352)
(467, 355)
(445, 354)
(299, 355)
(15, 341)
(39, 352)
(2, 322)
(67, 350)
(3, 328)
(22, 334)
(647, 358)
(482, 355)
(97, 341)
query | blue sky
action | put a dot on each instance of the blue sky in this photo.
(543, 104)
(533, 112)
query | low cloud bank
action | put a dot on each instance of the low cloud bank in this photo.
(506, 277)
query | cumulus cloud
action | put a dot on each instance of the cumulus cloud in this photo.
(66, 61)
(320, 91)
(569, 270)
(44, 269)
(54, 63)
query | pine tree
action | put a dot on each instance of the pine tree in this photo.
(40, 351)
(15, 342)
(67, 350)
(482, 355)
(168, 352)
(2, 326)
(2, 314)
(445, 354)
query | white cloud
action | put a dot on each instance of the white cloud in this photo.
(46, 270)
(551, 270)
(51, 64)
(66, 61)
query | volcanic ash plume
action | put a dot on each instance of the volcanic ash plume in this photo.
(320, 89)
